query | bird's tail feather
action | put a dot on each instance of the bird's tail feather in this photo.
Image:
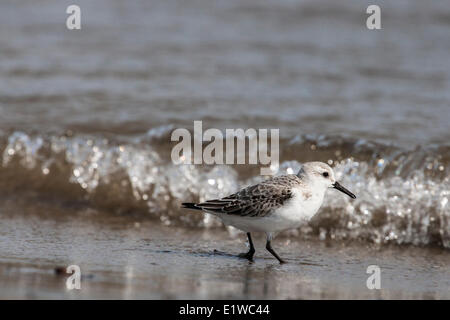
(190, 205)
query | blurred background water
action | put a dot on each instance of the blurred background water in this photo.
(86, 116)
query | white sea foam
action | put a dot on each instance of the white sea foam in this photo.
(402, 196)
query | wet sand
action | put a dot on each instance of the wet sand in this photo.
(134, 258)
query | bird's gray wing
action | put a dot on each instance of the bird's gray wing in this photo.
(255, 201)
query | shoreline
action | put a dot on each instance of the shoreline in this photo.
(124, 259)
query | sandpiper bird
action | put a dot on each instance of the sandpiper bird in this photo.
(274, 205)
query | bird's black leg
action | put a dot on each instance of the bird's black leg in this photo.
(270, 249)
(249, 255)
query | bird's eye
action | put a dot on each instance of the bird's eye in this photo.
(325, 174)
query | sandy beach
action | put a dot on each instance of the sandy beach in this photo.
(123, 258)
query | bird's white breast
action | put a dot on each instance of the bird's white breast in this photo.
(300, 208)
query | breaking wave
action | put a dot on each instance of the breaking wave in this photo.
(402, 195)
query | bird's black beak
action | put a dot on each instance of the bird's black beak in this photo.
(336, 185)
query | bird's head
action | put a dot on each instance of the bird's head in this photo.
(321, 175)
